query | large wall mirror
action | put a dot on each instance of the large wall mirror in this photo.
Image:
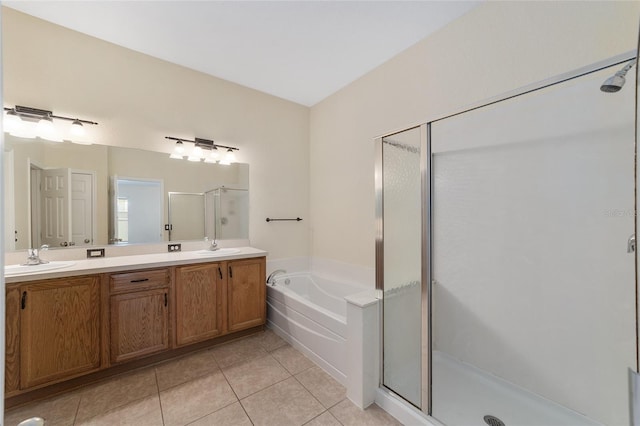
(69, 195)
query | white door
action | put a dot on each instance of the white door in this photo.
(56, 220)
(81, 208)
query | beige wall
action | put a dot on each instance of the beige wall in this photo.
(495, 48)
(138, 100)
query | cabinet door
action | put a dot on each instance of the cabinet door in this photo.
(199, 307)
(12, 341)
(246, 293)
(59, 329)
(139, 324)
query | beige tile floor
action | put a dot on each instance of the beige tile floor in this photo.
(258, 380)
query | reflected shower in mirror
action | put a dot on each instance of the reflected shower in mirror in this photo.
(87, 174)
(231, 213)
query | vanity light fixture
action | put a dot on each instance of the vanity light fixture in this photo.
(229, 157)
(29, 122)
(213, 157)
(198, 152)
(45, 127)
(178, 151)
(76, 128)
(11, 121)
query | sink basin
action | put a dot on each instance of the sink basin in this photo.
(219, 252)
(13, 270)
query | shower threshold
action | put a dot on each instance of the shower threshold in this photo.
(464, 395)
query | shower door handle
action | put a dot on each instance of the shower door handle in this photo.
(631, 244)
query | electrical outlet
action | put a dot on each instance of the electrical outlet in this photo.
(93, 253)
(174, 247)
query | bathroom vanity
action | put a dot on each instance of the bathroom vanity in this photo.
(70, 326)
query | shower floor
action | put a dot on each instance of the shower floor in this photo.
(463, 395)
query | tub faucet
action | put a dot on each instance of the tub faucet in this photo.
(33, 256)
(272, 276)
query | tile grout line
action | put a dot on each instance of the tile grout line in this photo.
(213, 412)
(245, 413)
(313, 364)
(310, 393)
(75, 416)
(155, 373)
(236, 395)
(259, 390)
(207, 374)
(329, 412)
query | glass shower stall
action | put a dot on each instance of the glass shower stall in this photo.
(506, 256)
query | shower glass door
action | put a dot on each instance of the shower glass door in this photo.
(401, 192)
(533, 295)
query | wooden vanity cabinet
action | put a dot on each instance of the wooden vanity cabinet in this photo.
(64, 328)
(246, 293)
(139, 314)
(200, 308)
(59, 329)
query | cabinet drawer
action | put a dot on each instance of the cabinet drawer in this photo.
(134, 281)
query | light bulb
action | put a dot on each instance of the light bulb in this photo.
(178, 151)
(45, 128)
(196, 154)
(27, 129)
(213, 156)
(12, 122)
(77, 129)
(230, 156)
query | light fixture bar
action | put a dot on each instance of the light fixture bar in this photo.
(37, 114)
(203, 143)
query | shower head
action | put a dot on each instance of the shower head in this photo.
(615, 82)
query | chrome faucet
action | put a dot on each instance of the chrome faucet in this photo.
(33, 256)
(272, 276)
(214, 244)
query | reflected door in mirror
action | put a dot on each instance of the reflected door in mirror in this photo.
(62, 207)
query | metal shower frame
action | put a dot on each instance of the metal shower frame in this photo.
(426, 191)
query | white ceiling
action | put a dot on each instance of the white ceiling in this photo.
(302, 51)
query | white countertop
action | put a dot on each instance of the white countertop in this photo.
(142, 261)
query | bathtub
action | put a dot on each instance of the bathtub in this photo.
(310, 312)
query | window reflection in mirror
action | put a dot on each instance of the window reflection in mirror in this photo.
(136, 210)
